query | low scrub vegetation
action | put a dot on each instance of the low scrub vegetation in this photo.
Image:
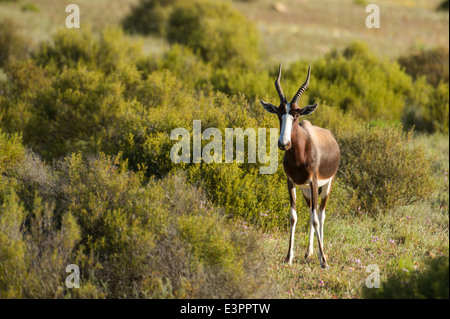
(81, 105)
(12, 43)
(130, 238)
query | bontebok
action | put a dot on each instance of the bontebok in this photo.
(311, 161)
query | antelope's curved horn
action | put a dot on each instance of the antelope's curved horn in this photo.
(302, 88)
(278, 87)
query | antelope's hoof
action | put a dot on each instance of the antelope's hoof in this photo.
(308, 256)
(288, 260)
(324, 264)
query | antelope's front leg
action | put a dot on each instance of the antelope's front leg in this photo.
(293, 221)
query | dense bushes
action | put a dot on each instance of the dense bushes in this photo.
(370, 88)
(427, 108)
(214, 29)
(75, 112)
(380, 165)
(357, 81)
(105, 52)
(219, 33)
(129, 240)
(150, 16)
(86, 107)
(33, 262)
(433, 64)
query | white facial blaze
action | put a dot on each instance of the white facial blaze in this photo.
(286, 126)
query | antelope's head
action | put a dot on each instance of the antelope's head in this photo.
(288, 113)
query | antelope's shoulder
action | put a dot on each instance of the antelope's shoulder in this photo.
(312, 130)
(305, 124)
(319, 135)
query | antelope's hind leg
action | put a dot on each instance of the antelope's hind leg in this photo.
(325, 194)
(293, 221)
(323, 203)
(307, 195)
(316, 222)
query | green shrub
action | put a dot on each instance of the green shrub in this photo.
(160, 240)
(428, 284)
(427, 107)
(218, 32)
(75, 112)
(12, 43)
(24, 80)
(11, 154)
(214, 30)
(249, 82)
(261, 200)
(35, 249)
(12, 248)
(433, 64)
(370, 88)
(357, 81)
(70, 48)
(386, 172)
(150, 16)
(428, 110)
(186, 66)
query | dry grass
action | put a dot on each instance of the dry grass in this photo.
(307, 30)
(310, 28)
(51, 15)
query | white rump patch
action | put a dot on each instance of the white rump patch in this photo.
(321, 182)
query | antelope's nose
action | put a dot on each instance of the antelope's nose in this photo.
(283, 146)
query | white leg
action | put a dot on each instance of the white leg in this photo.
(307, 194)
(293, 221)
(321, 222)
(316, 224)
(325, 193)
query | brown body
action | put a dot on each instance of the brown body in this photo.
(314, 151)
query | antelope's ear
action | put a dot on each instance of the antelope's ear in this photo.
(307, 109)
(269, 107)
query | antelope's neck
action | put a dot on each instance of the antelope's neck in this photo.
(299, 140)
